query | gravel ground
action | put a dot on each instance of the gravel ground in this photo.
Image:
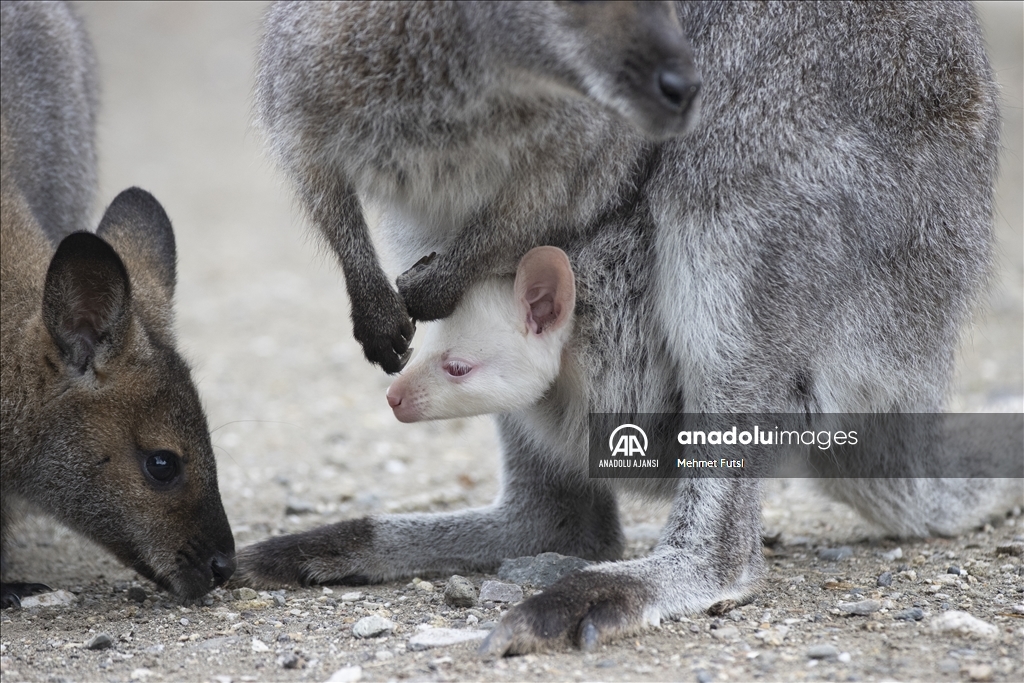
(304, 437)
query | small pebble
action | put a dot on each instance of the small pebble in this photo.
(835, 554)
(911, 614)
(372, 626)
(844, 657)
(297, 506)
(861, 608)
(540, 570)
(703, 676)
(442, 637)
(822, 652)
(100, 641)
(894, 554)
(244, 594)
(884, 579)
(496, 591)
(979, 672)
(137, 594)
(953, 570)
(354, 596)
(460, 592)
(963, 624)
(291, 661)
(348, 674)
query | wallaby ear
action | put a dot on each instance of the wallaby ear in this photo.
(545, 289)
(138, 227)
(86, 299)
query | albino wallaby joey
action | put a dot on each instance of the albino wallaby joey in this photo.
(813, 245)
(101, 426)
(499, 351)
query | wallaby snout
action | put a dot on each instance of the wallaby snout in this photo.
(637, 61)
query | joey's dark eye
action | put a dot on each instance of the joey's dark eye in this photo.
(163, 465)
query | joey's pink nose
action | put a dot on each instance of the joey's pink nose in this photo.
(394, 399)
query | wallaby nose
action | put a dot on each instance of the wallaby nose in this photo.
(677, 89)
(223, 566)
(394, 399)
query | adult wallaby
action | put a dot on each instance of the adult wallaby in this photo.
(813, 245)
(101, 426)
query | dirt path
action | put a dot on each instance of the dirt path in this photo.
(300, 421)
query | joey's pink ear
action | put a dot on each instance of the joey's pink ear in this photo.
(545, 289)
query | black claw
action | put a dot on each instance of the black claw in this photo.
(423, 261)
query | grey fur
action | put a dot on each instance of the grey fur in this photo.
(92, 387)
(813, 245)
(50, 107)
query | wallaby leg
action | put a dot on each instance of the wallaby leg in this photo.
(379, 319)
(542, 507)
(711, 551)
(933, 475)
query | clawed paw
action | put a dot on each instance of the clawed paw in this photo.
(12, 593)
(429, 290)
(581, 610)
(383, 328)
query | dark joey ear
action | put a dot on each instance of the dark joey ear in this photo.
(138, 227)
(86, 299)
(545, 289)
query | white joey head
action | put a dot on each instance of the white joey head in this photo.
(499, 351)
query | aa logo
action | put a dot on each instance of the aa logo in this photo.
(628, 440)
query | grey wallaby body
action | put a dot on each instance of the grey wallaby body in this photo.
(812, 245)
(102, 427)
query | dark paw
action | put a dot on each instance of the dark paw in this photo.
(12, 593)
(383, 328)
(325, 555)
(582, 609)
(430, 290)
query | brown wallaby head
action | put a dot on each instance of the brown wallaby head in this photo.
(631, 57)
(111, 436)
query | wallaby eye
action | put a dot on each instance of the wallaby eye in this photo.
(163, 466)
(456, 368)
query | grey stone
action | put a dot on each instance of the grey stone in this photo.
(822, 652)
(541, 570)
(953, 570)
(835, 554)
(218, 643)
(372, 626)
(726, 633)
(963, 624)
(297, 506)
(860, 608)
(291, 661)
(442, 637)
(58, 598)
(244, 594)
(496, 591)
(704, 676)
(136, 594)
(884, 579)
(348, 674)
(460, 592)
(100, 641)
(911, 614)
